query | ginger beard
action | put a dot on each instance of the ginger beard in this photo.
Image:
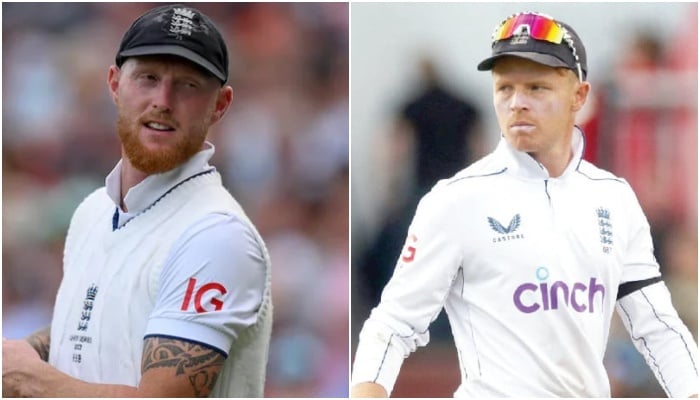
(162, 160)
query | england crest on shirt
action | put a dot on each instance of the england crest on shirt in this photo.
(605, 228)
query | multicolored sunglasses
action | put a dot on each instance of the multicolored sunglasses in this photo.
(539, 27)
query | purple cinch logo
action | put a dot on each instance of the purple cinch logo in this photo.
(578, 296)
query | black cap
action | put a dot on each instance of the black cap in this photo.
(177, 30)
(542, 52)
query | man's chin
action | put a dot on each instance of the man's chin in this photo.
(150, 169)
(521, 143)
(156, 155)
(154, 162)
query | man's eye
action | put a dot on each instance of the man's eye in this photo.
(147, 77)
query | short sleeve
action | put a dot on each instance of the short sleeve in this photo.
(211, 285)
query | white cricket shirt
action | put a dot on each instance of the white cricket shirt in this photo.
(527, 268)
(184, 262)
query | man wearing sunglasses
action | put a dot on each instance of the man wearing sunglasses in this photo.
(530, 249)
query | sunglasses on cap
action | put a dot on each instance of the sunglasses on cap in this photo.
(539, 27)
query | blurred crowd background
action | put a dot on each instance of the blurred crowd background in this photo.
(421, 111)
(282, 150)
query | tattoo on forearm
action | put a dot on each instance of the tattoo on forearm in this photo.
(200, 364)
(41, 341)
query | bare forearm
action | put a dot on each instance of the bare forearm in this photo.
(368, 389)
(77, 388)
(42, 380)
(171, 368)
(41, 341)
(26, 373)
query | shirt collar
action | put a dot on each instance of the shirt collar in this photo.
(154, 186)
(524, 166)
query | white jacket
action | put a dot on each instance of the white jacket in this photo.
(527, 268)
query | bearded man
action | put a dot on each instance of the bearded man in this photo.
(166, 286)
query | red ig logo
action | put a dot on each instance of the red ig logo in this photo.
(200, 293)
(409, 252)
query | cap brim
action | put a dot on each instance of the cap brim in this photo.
(175, 51)
(540, 58)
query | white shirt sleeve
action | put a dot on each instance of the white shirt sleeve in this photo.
(661, 337)
(639, 261)
(413, 297)
(212, 284)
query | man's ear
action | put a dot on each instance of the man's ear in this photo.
(223, 101)
(113, 82)
(581, 95)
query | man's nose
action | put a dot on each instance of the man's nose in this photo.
(163, 96)
(519, 101)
